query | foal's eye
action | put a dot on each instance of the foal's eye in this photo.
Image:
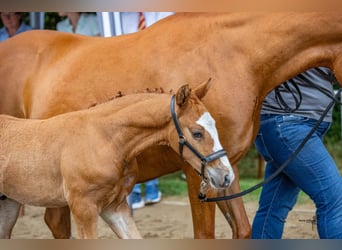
(197, 134)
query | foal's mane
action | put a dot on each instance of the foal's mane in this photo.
(119, 94)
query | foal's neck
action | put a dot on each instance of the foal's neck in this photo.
(136, 126)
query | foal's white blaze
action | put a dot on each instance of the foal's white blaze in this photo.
(208, 122)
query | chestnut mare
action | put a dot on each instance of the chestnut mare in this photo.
(44, 73)
(83, 158)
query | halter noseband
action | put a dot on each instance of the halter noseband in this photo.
(183, 142)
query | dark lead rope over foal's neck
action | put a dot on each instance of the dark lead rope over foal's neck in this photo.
(183, 142)
(282, 167)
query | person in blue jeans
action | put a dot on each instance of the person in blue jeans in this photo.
(285, 122)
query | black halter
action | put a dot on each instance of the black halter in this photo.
(183, 142)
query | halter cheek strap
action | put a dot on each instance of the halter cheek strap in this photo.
(183, 142)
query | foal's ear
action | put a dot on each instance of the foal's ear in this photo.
(182, 95)
(202, 89)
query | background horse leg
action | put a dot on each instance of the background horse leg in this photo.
(9, 212)
(234, 211)
(58, 221)
(120, 220)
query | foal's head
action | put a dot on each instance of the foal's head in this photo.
(199, 143)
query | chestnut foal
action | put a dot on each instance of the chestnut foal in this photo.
(85, 159)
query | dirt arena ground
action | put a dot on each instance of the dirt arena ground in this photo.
(169, 219)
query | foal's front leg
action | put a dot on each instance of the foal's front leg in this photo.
(120, 220)
(85, 215)
(9, 212)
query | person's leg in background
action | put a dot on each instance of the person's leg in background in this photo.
(152, 193)
(136, 197)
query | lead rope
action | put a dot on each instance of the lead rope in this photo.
(282, 167)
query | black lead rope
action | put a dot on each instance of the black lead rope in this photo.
(282, 103)
(282, 167)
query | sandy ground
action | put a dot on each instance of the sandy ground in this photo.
(169, 219)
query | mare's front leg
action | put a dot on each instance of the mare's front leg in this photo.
(234, 211)
(9, 212)
(120, 220)
(203, 213)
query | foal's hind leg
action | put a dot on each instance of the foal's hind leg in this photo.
(120, 220)
(9, 212)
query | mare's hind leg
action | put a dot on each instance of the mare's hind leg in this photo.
(9, 212)
(120, 220)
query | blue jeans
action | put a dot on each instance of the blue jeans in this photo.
(151, 189)
(313, 171)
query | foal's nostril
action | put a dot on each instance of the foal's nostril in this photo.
(226, 181)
